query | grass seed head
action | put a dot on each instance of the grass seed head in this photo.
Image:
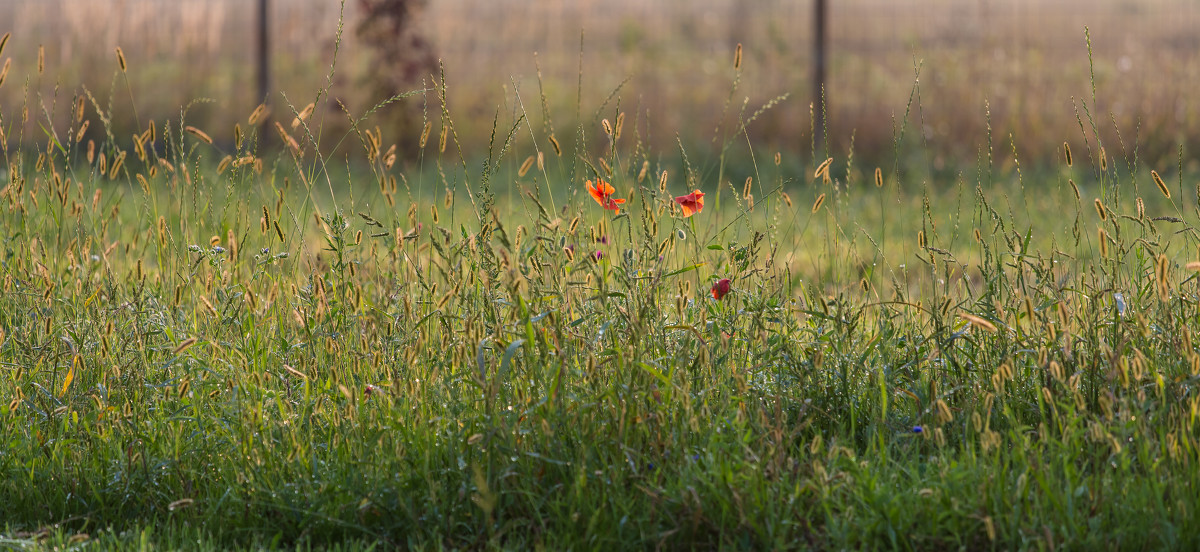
(4, 70)
(1162, 186)
(821, 199)
(121, 59)
(1067, 154)
(737, 57)
(204, 137)
(823, 168)
(528, 164)
(258, 114)
(306, 113)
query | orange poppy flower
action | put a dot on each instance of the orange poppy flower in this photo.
(692, 203)
(602, 193)
(720, 288)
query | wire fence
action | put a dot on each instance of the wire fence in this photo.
(1023, 63)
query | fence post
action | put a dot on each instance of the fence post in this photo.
(262, 61)
(820, 44)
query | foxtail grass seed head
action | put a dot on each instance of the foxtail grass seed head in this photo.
(878, 177)
(139, 147)
(1074, 188)
(821, 199)
(79, 109)
(1100, 210)
(620, 125)
(184, 345)
(642, 173)
(662, 182)
(921, 239)
(305, 114)
(91, 151)
(746, 186)
(787, 199)
(198, 134)
(978, 322)
(448, 201)
(978, 236)
(778, 159)
(118, 162)
(425, 134)
(1141, 209)
(1067, 154)
(82, 130)
(433, 212)
(42, 59)
(121, 59)
(1103, 160)
(1103, 238)
(1162, 186)
(737, 57)
(257, 115)
(823, 168)
(608, 129)
(554, 144)
(528, 164)
(4, 70)
(442, 139)
(4, 42)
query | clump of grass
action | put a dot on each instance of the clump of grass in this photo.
(201, 335)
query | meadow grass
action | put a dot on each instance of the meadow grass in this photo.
(209, 345)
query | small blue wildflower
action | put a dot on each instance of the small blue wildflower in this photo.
(918, 429)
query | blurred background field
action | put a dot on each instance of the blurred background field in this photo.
(1027, 59)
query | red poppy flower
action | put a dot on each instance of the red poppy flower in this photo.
(602, 192)
(720, 288)
(692, 203)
